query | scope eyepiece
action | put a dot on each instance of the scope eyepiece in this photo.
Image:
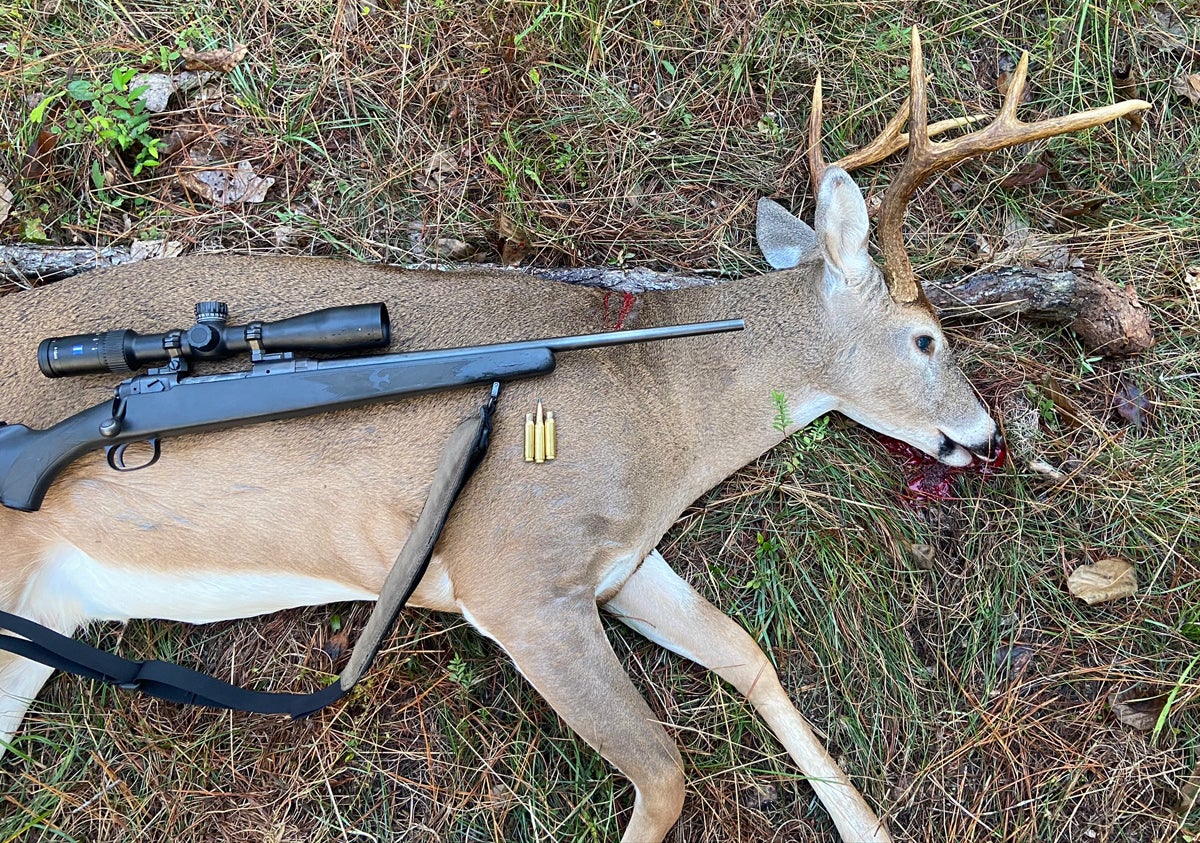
(332, 329)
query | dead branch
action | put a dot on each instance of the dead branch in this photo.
(23, 264)
(1107, 317)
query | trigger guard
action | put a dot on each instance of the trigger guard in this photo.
(115, 454)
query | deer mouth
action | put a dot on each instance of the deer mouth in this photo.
(956, 453)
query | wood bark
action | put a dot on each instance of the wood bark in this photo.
(1108, 318)
(24, 265)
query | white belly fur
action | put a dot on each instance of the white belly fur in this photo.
(73, 586)
(72, 589)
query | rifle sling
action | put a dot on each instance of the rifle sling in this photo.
(464, 451)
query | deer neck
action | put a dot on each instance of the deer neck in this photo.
(733, 384)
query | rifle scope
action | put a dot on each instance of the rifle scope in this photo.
(332, 329)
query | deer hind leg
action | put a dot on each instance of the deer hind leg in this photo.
(559, 645)
(659, 604)
(20, 681)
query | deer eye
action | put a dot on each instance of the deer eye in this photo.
(924, 344)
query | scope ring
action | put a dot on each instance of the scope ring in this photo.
(115, 454)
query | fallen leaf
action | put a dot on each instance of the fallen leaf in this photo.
(221, 61)
(1005, 68)
(224, 187)
(286, 236)
(1163, 28)
(451, 249)
(1137, 712)
(923, 555)
(1133, 404)
(438, 169)
(1187, 86)
(1107, 579)
(176, 141)
(142, 250)
(1030, 173)
(1072, 413)
(1013, 658)
(516, 240)
(336, 646)
(6, 200)
(760, 795)
(1125, 80)
(1079, 209)
(38, 155)
(1025, 247)
(349, 14)
(513, 252)
(1189, 792)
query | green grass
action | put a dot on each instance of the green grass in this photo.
(967, 698)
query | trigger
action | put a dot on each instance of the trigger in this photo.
(116, 456)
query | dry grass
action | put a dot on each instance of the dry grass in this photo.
(968, 698)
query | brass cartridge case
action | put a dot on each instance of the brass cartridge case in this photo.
(551, 445)
(529, 437)
(539, 436)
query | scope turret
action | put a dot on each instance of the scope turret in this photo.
(333, 329)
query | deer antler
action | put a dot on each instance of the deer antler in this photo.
(890, 141)
(926, 156)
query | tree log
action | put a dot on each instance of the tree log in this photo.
(1108, 318)
(23, 264)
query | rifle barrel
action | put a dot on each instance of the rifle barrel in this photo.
(569, 343)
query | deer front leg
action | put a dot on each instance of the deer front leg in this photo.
(558, 644)
(659, 604)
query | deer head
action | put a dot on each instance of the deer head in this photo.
(889, 367)
(894, 371)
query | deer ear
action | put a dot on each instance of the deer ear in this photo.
(783, 239)
(842, 226)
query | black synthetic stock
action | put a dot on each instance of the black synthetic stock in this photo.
(31, 459)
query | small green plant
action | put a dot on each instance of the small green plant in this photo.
(808, 439)
(783, 417)
(803, 441)
(461, 672)
(767, 557)
(164, 57)
(1045, 406)
(1189, 624)
(110, 113)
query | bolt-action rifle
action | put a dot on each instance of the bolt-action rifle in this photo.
(167, 401)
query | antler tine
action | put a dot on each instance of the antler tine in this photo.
(926, 157)
(889, 141)
(897, 269)
(816, 161)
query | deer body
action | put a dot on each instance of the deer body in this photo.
(313, 510)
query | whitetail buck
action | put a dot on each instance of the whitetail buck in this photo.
(285, 514)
